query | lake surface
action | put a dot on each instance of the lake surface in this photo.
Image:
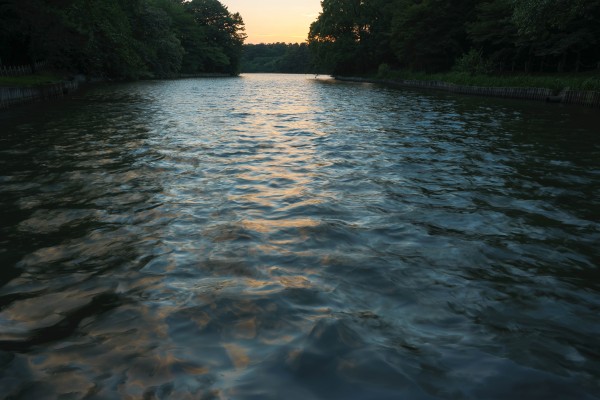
(284, 237)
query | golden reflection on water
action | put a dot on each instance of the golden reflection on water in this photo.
(295, 282)
(237, 251)
(270, 225)
(244, 329)
(264, 164)
(238, 355)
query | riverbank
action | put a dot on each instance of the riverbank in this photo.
(588, 98)
(13, 95)
(198, 75)
(29, 89)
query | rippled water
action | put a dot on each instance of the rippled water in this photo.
(280, 237)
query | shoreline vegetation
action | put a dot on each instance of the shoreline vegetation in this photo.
(565, 96)
(50, 78)
(485, 47)
(62, 44)
(580, 89)
(120, 39)
(16, 90)
(586, 81)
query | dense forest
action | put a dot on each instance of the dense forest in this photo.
(122, 38)
(475, 36)
(277, 57)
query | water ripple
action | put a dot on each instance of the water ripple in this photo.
(278, 236)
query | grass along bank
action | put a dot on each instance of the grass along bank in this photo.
(29, 80)
(589, 81)
(580, 89)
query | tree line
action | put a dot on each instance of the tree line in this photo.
(475, 36)
(122, 39)
(277, 57)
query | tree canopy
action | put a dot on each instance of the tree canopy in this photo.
(122, 38)
(357, 36)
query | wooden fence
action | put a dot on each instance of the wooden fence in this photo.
(18, 95)
(587, 98)
(20, 70)
(507, 92)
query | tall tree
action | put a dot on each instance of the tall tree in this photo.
(494, 33)
(122, 38)
(158, 44)
(429, 35)
(224, 34)
(109, 47)
(566, 31)
(350, 36)
(32, 30)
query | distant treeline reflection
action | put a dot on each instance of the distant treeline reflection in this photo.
(277, 57)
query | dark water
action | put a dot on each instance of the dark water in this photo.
(279, 237)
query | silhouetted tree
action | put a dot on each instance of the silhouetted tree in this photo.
(122, 38)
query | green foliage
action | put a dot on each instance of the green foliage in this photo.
(565, 31)
(159, 46)
(576, 81)
(429, 35)
(494, 33)
(384, 71)
(122, 39)
(356, 36)
(224, 36)
(351, 36)
(108, 45)
(474, 63)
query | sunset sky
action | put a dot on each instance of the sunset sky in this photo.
(269, 21)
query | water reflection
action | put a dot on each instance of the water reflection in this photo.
(281, 237)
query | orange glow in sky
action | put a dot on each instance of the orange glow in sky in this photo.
(270, 21)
